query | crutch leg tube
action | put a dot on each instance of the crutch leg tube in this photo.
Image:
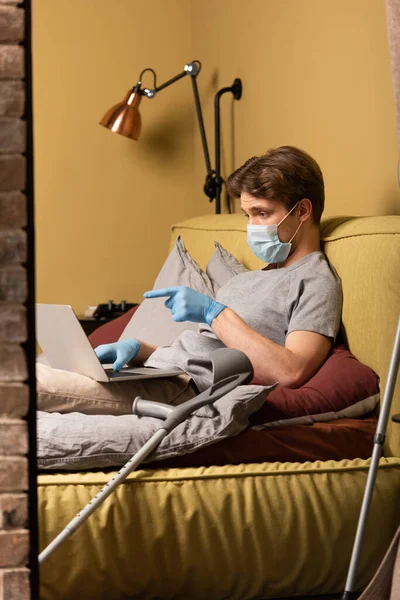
(230, 369)
(379, 441)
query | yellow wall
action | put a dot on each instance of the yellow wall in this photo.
(316, 74)
(104, 203)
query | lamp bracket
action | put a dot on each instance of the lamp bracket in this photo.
(212, 183)
(237, 89)
(192, 68)
(148, 93)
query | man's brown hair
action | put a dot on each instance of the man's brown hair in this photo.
(286, 174)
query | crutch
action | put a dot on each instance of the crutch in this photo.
(379, 440)
(230, 368)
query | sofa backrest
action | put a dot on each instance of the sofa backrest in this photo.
(366, 254)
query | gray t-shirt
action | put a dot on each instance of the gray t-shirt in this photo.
(305, 296)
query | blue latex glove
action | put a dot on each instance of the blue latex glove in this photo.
(118, 353)
(188, 305)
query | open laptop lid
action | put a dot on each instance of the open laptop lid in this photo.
(64, 342)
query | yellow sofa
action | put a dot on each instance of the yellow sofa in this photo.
(253, 530)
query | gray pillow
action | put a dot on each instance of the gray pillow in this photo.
(222, 266)
(152, 322)
(76, 441)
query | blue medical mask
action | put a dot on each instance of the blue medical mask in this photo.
(265, 243)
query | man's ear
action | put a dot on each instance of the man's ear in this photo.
(305, 209)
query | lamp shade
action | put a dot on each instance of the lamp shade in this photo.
(124, 118)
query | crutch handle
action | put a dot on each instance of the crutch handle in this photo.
(231, 368)
(148, 408)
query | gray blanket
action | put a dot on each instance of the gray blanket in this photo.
(75, 441)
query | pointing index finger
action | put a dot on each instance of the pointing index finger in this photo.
(160, 293)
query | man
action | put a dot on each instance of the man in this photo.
(284, 317)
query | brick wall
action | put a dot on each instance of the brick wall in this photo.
(14, 393)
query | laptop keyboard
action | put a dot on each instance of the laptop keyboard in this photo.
(116, 374)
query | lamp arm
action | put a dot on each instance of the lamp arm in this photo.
(170, 81)
(193, 70)
(236, 90)
(201, 126)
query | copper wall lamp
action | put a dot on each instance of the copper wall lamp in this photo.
(124, 118)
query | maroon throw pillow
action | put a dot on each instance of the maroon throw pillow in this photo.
(112, 331)
(342, 388)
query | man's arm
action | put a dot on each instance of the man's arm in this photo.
(291, 365)
(146, 350)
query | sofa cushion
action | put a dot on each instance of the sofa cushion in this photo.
(235, 531)
(336, 440)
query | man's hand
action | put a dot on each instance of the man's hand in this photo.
(119, 353)
(188, 305)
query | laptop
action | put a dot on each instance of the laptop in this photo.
(66, 346)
